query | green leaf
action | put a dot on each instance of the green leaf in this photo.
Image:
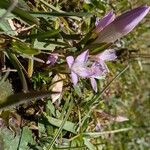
(1, 143)
(23, 97)
(51, 107)
(6, 28)
(49, 45)
(24, 15)
(89, 144)
(22, 48)
(68, 126)
(4, 24)
(99, 4)
(19, 68)
(59, 14)
(41, 128)
(6, 90)
(11, 142)
(22, 4)
(48, 34)
(78, 90)
(70, 36)
(3, 11)
(25, 139)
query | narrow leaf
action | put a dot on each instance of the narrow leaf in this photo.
(19, 98)
(23, 48)
(58, 14)
(68, 126)
(24, 15)
(89, 144)
(19, 68)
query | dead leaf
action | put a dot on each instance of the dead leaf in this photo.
(120, 119)
(57, 86)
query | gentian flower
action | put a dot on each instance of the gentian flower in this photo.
(92, 68)
(80, 68)
(109, 29)
(52, 58)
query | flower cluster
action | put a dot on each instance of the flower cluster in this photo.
(108, 30)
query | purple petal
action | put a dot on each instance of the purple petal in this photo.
(97, 69)
(94, 84)
(52, 58)
(127, 21)
(70, 61)
(74, 78)
(101, 24)
(107, 55)
(105, 68)
(82, 58)
(122, 25)
(84, 72)
(98, 127)
(100, 68)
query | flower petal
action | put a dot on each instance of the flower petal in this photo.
(94, 84)
(70, 61)
(122, 25)
(99, 69)
(101, 24)
(85, 72)
(108, 55)
(127, 21)
(74, 78)
(82, 58)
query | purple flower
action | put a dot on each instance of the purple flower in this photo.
(102, 23)
(122, 25)
(81, 67)
(52, 58)
(92, 68)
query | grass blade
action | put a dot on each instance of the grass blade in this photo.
(24, 15)
(20, 98)
(19, 68)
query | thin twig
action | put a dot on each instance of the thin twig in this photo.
(5, 77)
(9, 70)
(98, 134)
